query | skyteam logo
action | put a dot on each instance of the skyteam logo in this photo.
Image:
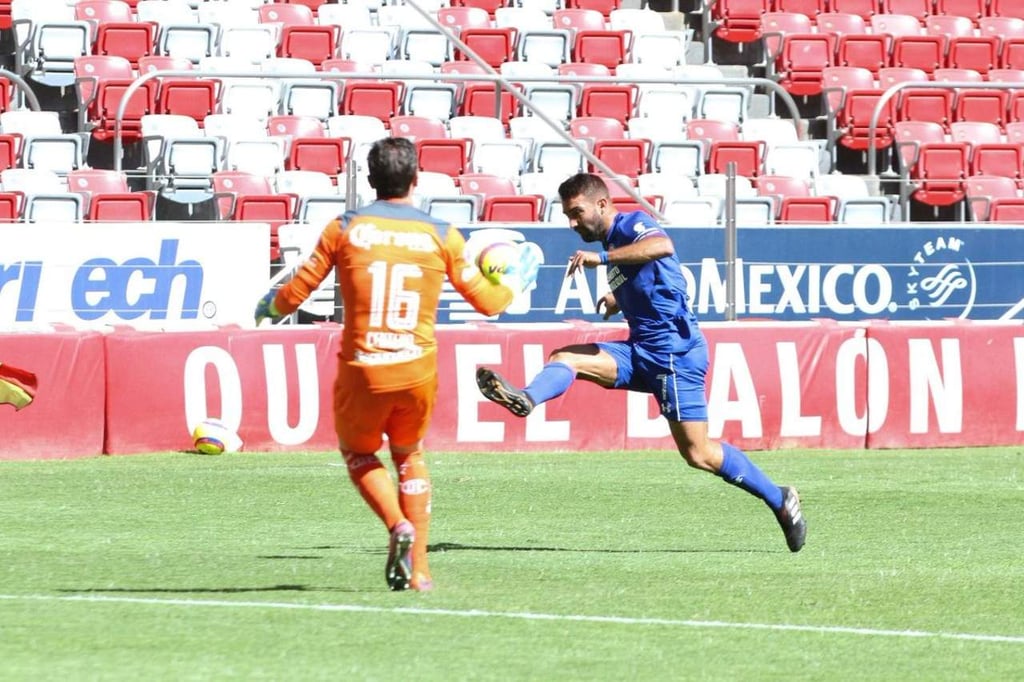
(941, 281)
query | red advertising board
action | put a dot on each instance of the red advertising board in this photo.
(770, 386)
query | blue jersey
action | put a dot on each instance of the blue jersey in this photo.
(652, 296)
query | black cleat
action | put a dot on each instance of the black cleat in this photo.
(497, 390)
(791, 519)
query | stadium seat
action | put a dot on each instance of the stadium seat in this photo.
(193, 97)
(62, 207)
(949, 25)
(800, 61)
(478, 99)
(925, 52)
(931, 104)
(431, 100)
(610, 48)
(60, 153)
(1004, 159)
(779, 187)
(851, 123)
(951, 75)
(381, 100)
(450, 156)
(373, 45)
(616, 101)
(865, 9)
(980, 53)
(578, 19)
(919, 9)
(102, 110)
(748, 157)
(296, 126)
(520, 208)
(807, 210)
(938, 176)
(416, 127)
(327, 155)
(48, 55)
(10, 149)
(131, 40)
(863, 50)
(88, 181)
(120, 207)
(103, 11)
(987, 105)
(89, 69)
(188, 41)
(623, 157)
(841, 23)
(891, 75)
(313, 43)
(970, 9)
(485, 185)
(1007, 211)
(983, 190)
(738, 21)
(975, 132)
(494, 45)
(11, 204)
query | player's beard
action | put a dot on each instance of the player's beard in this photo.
(589, 230)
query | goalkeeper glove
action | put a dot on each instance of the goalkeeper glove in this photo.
(522, 275)
(265, 308)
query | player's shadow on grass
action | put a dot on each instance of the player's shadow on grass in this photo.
(455, 546)
(203, 590)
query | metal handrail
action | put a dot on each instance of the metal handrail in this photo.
(926, 85)
(30, 96)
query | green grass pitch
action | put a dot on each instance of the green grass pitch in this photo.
(579, 566)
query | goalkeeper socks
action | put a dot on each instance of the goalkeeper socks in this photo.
(554, 380)
(414, 498)
(373, 482)
(741, 472)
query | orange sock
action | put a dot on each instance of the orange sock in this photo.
(414, 498)
(373, 482)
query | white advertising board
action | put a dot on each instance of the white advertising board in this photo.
(149, 276)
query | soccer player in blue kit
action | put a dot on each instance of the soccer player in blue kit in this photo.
(665, 355)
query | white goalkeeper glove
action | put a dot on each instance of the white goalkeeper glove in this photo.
(522, 276)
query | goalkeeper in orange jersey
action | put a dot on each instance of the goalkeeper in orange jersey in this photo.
(390, 260)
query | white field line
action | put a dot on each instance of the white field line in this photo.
(475, 613)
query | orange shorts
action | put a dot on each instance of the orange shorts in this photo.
(362, 418)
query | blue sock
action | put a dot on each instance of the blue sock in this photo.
(554, 380)
(742, 473)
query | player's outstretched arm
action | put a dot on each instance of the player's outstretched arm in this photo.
(637, 253)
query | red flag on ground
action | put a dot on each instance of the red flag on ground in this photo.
(17, 386)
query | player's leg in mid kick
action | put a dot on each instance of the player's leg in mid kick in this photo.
(591, 362)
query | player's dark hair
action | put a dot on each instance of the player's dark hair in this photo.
(392, 164)
(585, 184)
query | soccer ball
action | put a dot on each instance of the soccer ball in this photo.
(497, 259)
(212, 437)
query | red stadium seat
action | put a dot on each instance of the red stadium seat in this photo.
(809, 8)
(739, 21)
(459, 18)
(853, 120)
(605, 7)
(275, 209)
(708, 131)
(485, 185)
(982, 105)
(90, 181)
(11, 205)
(90, 69)
(1003, 159)
(980, 53)
(1001, 27)
(448, 155)
(324, 154)
(519, 208)
(808, 209)
(609, 48)
(971, 9)
(10, 149)
(312, 43)
(596, 128)
(1006, 8)
(1012, 54)
(931, 104)
(1007, 211)
(103, 11)
(611, 100)
(939, 173)
(919, 9)
(489, 5)
(193, 97)
(748, 157)
(623, 157)
(478, 99)
(494, 45)
(779, 187)
(295, 126)
(835, 80)
(948, 75)
(102, 111)
(949, 25)
(286, 14)
(865, 9)
(801, 60)
(120, 207)
(871, 52)
(417, 127)
(983, 190)
(925, 52)
(131, 40)
(372, 98)
(576, 19)
(910, 135)
(841, 24)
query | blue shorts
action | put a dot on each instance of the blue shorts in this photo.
(676, 380)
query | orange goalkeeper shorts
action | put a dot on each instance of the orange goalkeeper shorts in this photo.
(362, 418)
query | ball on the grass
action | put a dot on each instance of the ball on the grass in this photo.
(497, 259)
(212, 437)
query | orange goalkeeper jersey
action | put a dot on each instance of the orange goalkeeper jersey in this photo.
(390, 260)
